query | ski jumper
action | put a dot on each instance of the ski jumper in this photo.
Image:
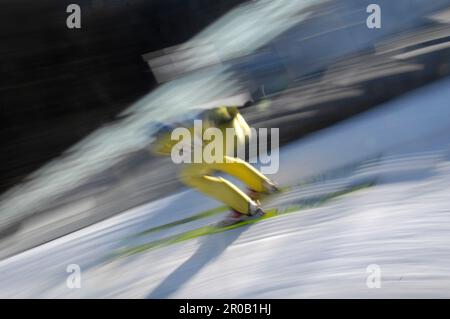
(200, 176)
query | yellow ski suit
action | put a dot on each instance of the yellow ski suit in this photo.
(200, 175)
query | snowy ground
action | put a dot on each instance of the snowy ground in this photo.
(402, 225)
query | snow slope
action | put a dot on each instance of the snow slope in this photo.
(402, 224)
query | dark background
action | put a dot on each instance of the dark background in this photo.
(57, 84)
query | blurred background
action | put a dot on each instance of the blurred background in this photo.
(75, 103)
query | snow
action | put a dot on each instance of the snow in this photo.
(402, 224)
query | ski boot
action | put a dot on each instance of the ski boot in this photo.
(235, 217)
(269, 188)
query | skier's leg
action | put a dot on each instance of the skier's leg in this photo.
(195, 175)
(245, 172)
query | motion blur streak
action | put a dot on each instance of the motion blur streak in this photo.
(104, 147)
(370, 104)
(401, 224)
(237, 34)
